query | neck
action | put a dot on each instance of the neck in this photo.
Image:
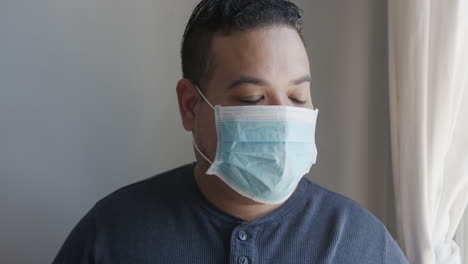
(228, 200)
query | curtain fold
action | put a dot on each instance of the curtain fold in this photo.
(462, 237)
(428, 69)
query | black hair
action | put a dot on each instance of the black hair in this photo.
(212, 17)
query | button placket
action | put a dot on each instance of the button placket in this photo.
(242, 244)
(243, 260)
(242, 235)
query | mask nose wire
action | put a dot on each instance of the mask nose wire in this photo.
(193, 138)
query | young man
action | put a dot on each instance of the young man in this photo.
(245, 97)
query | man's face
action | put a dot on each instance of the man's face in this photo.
(263, 66)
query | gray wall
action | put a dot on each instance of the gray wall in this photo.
(347, 43)
(88, 104)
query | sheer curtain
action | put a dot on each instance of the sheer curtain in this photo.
(462, 237)
(428, 64)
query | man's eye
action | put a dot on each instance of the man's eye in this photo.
(246, 101)
(297, 101)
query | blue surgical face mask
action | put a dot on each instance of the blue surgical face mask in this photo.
(263, 151)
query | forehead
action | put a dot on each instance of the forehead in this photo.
(271, 52)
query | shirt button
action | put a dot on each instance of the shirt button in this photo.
(242, 235)
(243, 260)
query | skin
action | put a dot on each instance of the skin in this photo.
(262, 66)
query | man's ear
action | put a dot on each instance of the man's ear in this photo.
(187, 97)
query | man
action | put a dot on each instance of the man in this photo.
(245, 97)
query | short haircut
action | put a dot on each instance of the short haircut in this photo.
(212, 17)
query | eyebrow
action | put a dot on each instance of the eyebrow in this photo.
(261, 82)
(247, 80)
(303, 79)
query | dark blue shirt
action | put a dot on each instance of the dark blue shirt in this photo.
(166, 219)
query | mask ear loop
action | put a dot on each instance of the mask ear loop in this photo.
(204, 98)
(199, 151)
(193, 138)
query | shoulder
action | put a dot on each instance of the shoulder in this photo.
(125, 214)
(177, 177)
(164, 190)
(356, 233)
(332, 204)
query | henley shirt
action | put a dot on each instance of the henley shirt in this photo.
(166, 219)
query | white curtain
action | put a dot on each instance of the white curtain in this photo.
(462, 237)
(428, 64)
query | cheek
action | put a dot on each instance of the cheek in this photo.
(206, 132)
